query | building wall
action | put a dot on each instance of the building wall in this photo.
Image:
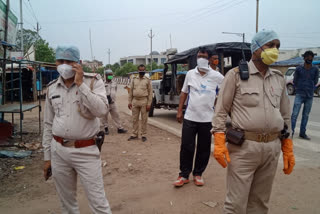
(137, 60)
(289, 54)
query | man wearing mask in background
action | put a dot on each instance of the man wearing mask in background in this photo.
(259, 109)
(305, 79)
(111, 90)
(200, 88)
(74, 103)
(214, 62)
(140, 99)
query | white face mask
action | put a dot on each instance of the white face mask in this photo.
(65, 71)
(203, 64)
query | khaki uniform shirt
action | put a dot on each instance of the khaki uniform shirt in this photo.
(111, 89)
(259, 104)
(72, 113)
(141, 87)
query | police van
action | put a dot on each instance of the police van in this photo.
(166, 92)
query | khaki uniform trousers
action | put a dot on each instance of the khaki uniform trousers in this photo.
(113, 110)
(67, 163)
(139, 105)
(250, 176)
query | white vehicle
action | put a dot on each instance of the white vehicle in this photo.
(289, 80)
(289, 75)
(166, 92)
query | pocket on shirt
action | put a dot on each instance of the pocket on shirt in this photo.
(57, 106)
(250, 96)
(275, 97)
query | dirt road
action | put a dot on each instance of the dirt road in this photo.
(138, 179)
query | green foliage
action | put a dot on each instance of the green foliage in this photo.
(125, 69)
(154, 66)
(86, 69)
(100, 71)
(29, 38)
(43, 52)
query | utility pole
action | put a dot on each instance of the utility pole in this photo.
(90, 44)
(151, 36)
(238, 34)
(257, 16)
(5, 57)
(21, 24)
(109, 52)
(38, 29)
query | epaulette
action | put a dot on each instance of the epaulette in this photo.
(92, 75)
(236, 69)
(53, 81)
(276, 72)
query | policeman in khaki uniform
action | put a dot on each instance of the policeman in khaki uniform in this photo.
(259, 108)
(140, 99)
(111, 90)
(74, 103)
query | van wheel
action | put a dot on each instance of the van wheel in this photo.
(152, 107)
(290, 89)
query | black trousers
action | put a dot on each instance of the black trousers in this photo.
(190, 130)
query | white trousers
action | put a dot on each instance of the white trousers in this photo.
(67, 163)
(113, 110)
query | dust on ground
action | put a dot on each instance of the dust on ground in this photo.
(138, 178)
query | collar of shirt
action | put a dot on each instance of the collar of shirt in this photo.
(253, 69)
(60, 82)
(197, 72)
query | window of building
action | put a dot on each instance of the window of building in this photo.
(163, 60)
(130, 60)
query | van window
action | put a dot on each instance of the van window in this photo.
(290, 72)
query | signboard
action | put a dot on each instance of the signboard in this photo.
(16, 55)
(12, 24)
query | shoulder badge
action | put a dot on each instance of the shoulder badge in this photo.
(236, 69)
(276, 71)
(92, 75)
(53, 81)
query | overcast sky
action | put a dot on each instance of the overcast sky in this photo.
(124, 25)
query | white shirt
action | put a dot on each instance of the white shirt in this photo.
(201, 92)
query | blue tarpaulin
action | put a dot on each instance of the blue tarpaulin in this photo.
(14, 154)
(296, 61)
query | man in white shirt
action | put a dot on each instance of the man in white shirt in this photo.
(199, 88)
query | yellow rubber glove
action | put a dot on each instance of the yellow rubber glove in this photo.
(220, 152)
(288, 156)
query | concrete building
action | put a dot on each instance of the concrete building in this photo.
(289, 54)
(159, 58)
(93, 64)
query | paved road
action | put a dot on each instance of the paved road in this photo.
(307, 152)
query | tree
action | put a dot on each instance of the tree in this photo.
(125, 69)
(100, 71)
(86, 69)
(29, 38)
(154, 66)
(43, 52)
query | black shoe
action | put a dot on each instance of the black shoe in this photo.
(132, 138)
(144, 139)
(122, 131)
(304, 136)
(106, 131)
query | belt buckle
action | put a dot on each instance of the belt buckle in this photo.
(263, 137)
(65, 142)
